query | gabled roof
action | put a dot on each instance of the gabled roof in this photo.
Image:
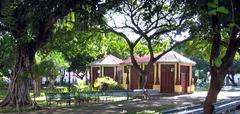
(171, 56)
(108, 60)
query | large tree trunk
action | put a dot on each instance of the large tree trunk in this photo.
(37, 86)
(51, 82)
(214, 89)
(18, 94)
(145, 80)
(147, 73)
(142, 81)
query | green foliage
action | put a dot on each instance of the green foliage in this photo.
(142, 48)
(49, 65)
(223, 10)
(113, 44)
(3, 84)
(59, 89)
(216, 9)
(201, 68)
(217, 62)
(105, 83)
(68, 22)
(79, 62)
(7, 54)
(82, 86)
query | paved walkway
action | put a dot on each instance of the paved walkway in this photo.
(136, 105)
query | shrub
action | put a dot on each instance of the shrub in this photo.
(106, 83)
(59, 89)
(3, 84)
(82, 86)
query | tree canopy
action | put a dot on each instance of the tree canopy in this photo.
(152, 23)
(31, 23)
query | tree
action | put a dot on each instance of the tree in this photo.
(78, 47)
(219, 24)
(31, 23)
(201, 68)
(152, 22)
(197, 50)
(6, 54)
(47, 66)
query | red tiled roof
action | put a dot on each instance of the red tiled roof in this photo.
(108, 60)
(139, 59)
(171, 56)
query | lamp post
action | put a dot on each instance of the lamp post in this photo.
(69, 86)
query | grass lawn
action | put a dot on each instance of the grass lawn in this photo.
(28, 109)
(3, 93)
(10, 109)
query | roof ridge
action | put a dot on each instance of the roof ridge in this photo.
(114, 59)
(174, 53)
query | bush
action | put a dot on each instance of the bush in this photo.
(82, 86)
(59, 89)
(3, 84)
(106, 83)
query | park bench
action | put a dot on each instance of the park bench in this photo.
(225, 106)
(138, 93)
(58, 98)
(129, 94)
(196, 109)
(88, 96)
(65, 97)
(145, 93)
(152, 94)
(111, 94)
(52, 97)
(220, 107)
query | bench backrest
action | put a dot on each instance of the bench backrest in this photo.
(152, 92)
(65, 95)
(52, 95)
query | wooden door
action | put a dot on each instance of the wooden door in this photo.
(167, 78)
(95, 73)
(183, 82)
(134, 78)
(109, 71)
(184, 74)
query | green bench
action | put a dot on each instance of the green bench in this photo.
(58, 97)
(88, 96)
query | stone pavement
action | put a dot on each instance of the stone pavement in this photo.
(136, 105)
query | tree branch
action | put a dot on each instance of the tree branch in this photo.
(171, 48)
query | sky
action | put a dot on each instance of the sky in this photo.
(118, 20)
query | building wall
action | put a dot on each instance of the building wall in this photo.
(126, 81)
(94, 71)
(177, 86)
(104, 70)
